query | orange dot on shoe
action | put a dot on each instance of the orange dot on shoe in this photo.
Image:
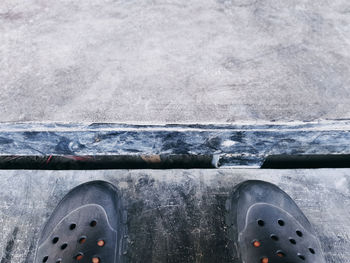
(82, 240)
(79, 257)
(256, 244)
(95, 260)
(101, 243)
(264, 260)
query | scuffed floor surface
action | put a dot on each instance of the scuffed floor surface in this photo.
(173, 215)
(174, 61)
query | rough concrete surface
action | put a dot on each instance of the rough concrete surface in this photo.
(173, 215)
(184, 61)
(174, 61)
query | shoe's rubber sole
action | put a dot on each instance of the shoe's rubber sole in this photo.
(265, 225)
(88, 225)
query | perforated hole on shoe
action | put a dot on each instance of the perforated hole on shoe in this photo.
(291, 240)
(261, 222)
(79, 256)
(82, 240)
(312, 251)
(299, 233)
(256, 243)
(301, 256)
(93, 223)
(55, 240)
(280, 254)
(72, 226)
(274, 237)
(280, 222)
(100, 243)
(45, 258)
(64, 246)
(59, 260)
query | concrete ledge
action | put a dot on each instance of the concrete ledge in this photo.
(244, 145)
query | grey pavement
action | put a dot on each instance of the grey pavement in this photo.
(183, 61)
(173, 215)
(180, 61)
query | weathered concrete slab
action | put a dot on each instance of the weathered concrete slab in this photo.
(174, 61)
(173, 215)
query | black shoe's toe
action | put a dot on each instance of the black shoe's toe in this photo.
(86, 226)
(267, 226)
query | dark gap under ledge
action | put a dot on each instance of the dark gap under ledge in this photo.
(183, 161)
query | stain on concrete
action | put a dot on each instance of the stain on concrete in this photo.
(8, 253)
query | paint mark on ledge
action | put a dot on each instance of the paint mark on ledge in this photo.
(228, 143)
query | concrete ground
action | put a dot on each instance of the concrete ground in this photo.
(174, 61)
(173, 215)
(181, 61)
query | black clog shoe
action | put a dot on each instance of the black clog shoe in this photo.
(86, 226)
(266, 226)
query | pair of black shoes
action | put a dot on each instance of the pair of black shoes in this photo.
(264, 225)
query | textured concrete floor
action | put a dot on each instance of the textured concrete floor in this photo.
(174, 61)
(180, 61)
(173, 215)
